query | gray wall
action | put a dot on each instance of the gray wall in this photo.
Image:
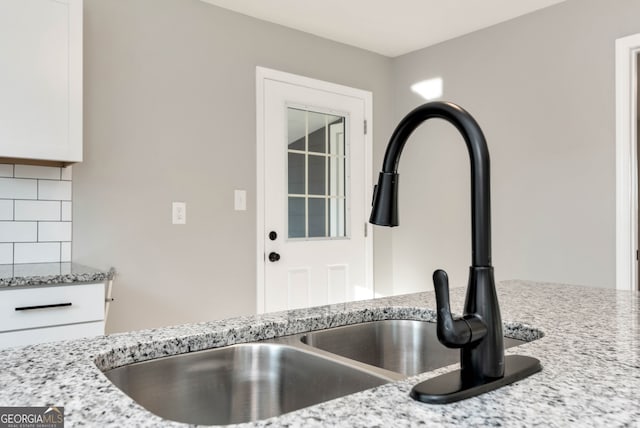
(170, 116)
(542, 88)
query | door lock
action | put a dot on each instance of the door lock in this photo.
(274, 257)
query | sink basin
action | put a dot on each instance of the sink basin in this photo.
(238, 383)
(402, 346)
(253, 381)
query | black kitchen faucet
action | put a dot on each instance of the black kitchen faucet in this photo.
(478, 333)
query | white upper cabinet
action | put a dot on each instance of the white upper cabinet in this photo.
(41, 80)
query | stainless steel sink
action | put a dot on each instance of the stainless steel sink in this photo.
(248, 382)
(238, 383)
(407, 347)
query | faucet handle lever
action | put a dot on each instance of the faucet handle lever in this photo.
(454, 333)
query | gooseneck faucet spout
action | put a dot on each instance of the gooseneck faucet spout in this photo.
(386, 213)
(478, 333)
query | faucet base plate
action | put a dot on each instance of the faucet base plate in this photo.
(451, 387)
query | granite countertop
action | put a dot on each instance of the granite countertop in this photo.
(590, 352)
(43, 274)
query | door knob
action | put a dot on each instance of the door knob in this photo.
(274, 257)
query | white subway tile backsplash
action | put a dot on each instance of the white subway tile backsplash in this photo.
(66, 173)
(65, 268)
(31, 171)
(18, 231)
(54, 231)
(66, 211)
(39, 252)
(6, 209)
(54, 190)
(38, 210)
(6, 271)
(65, 251)
(18, 188)
(6, 254)
(42, 269)
(35, 215)
(6, 170)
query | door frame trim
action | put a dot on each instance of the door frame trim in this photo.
(263, 74)
(626, 49)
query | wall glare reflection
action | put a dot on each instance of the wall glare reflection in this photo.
(429, 89)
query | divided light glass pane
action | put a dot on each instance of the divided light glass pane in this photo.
(296, 216)
(337, 181)
(317, 174)
(296, 128)
(337, 217)
(317, 132)
(296, 173)
(336, 135)
(317, 218)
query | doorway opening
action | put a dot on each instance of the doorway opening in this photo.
(636, 102)
(627, 163)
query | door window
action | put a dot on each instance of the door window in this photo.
(317, 153)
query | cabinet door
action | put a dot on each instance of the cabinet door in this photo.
(41, 79)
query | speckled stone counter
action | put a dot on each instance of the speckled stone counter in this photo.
(41, 274)
(590, 351)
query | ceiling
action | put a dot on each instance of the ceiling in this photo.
(390, 28)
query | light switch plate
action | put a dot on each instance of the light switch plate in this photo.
(179, 213)
(240, 200)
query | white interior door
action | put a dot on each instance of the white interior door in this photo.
(314, 180)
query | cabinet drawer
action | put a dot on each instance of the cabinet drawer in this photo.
(51, 334)
(50, 306)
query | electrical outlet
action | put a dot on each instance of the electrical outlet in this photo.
(179, 213)
(240, 200)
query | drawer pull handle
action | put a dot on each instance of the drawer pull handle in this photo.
(55, 305)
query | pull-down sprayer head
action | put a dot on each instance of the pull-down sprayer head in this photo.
(385, 201)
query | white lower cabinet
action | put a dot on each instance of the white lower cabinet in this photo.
(46, 314)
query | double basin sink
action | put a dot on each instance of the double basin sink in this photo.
(253, 381)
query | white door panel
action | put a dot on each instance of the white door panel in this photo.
(315, 178)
